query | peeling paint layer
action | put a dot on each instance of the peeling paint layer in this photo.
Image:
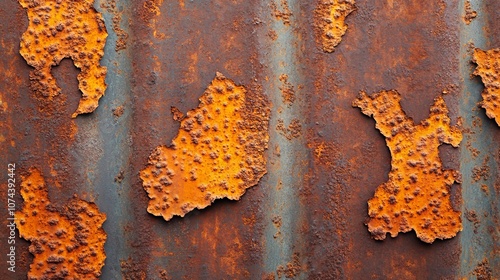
(65, 29)
(218, 152)
(67, 242)
(488, 69)
(417, 195)
(329, 21)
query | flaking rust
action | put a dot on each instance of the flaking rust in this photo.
(67, 242)
(217, 153)
(61, 29)
(488, 69)
(329, 21)
(417, 194)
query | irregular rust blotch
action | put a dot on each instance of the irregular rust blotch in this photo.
(218, 152)
(287, 90)
(283, 15)
(67, 242)
(470, 14)
(65, 29)
(294, 130)
(488, 68)
(329, 21)
(417, 195)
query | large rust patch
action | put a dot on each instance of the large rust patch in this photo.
(67, 242)
(218, 152)
(329, 21)
(488, 69)
(65, 29)
(417, 195)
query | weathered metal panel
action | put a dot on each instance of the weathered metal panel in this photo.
(305, 219)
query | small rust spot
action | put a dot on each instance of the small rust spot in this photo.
(329, 21)
(470, 14)
(417, 195)
(488, 69)
(176, 114)
(118, 111)
(287, 90)
(218, 152)
(60, 29)
(294, 130)
(67, 242)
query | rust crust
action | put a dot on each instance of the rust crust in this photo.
(287, 90)
(218, 152)
(283, 15)
(417, 194)
(65, 29)
(67, 242)
(489, 70)
(329, 21)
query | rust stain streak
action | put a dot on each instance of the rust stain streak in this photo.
(67, 242)
(417, 194)
(488, 69)
(65, 29)
(329, 21)
(217, 153)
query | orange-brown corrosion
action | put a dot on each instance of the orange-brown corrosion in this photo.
(218, 152)
(329, 22)
(417, 194)
(488, 69)
(67, 242)
(59, 29)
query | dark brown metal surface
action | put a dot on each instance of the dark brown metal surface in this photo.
(305, 219)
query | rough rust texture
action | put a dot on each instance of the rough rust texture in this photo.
(67, 242)
(417, 195)
(287, 90)
(470, 14)
(329, 20)
(283, 15)
(61, 29)
(218, 152)
(489, 70)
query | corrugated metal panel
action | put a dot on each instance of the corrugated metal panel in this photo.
(305, 219)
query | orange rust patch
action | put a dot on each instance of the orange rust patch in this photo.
(488, 69)
(67, 242)
(417, 195)
(218, 152)
(470, 14)
(329, 21)
(65, 29)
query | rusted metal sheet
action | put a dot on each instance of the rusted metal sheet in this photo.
(308, 60)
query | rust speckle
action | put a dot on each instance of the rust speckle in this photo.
(294, 130)
(329, 21)
(292, 269)
(218, 152)
(483, 271)
(60, 29)
(287, 90)
(122, 36)
(283, 14)
(489, 70)
(67, 242)
(417, 195)
(470, 14)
